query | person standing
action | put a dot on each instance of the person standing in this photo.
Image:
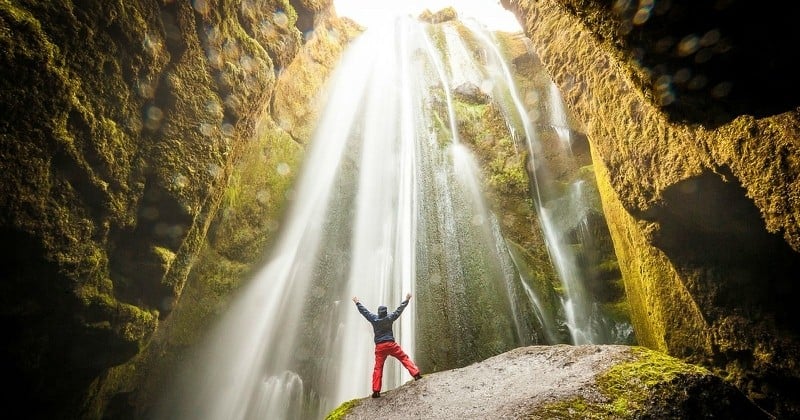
(384, 342)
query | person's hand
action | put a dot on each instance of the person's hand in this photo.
(355, 299)
(408, 296)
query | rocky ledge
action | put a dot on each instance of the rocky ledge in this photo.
(562, 381)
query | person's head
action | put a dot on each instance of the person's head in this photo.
(382, 311)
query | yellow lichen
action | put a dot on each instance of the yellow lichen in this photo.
(625, 388)
(341, 411)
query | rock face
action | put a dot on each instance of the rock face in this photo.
(565, 382)
(693, 123)
(123, 127)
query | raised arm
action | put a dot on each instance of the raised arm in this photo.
(396, 314)
(364, 311)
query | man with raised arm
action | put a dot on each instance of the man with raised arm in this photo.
(384, 342)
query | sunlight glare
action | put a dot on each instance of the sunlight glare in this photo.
(371, 12)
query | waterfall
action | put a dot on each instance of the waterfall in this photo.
(388, 201)
(558, 117)
(560, 210)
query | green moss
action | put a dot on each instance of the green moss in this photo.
(482, 127)
(574, 408)
(341, 411)
(538, 274)
(630, 384)
(247, 219)
(467, 114)
(213, 279)
(255, 197)
(130, 323)
(508, 174)
(165, 255)
(626, 388)
(136, 324)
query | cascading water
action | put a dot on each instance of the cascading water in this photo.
(558, 118)
(389, 201)
(561, 211)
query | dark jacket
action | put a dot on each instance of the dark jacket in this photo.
(382, 323)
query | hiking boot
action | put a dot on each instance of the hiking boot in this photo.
(417, 376)
(376, 394)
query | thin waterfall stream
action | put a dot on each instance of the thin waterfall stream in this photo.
(550, 203)
(389, 201)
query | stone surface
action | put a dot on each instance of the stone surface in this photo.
(547, 382)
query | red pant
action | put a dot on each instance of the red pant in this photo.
(389, 348)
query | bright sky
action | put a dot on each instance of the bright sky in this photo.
(489, 12)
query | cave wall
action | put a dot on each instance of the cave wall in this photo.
(126, 126)
(691, 113)
(243, 229)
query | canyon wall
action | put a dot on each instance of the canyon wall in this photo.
(691, 114)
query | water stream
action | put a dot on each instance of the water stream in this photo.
(553, 205)
(389, 201)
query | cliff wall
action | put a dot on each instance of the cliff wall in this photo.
(691, 114)
(124, 127)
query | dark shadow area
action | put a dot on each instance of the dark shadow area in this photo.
(716, 238)
(743, 280)
(53, 345)
(138, 257)
(305, 17)
(711, 61)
